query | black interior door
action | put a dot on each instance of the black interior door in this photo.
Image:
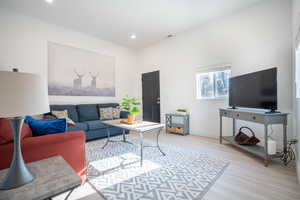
(151, 96)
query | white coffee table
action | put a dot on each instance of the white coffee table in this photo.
(140, 128)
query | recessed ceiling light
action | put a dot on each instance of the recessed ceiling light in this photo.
(49, 1)
(133, 36)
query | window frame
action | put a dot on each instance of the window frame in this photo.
(214, 71)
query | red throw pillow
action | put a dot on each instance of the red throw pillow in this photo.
(6, 133)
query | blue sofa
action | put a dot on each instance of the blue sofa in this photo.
(86, 117)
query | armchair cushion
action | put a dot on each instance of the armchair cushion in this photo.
(6, 132)
(45, 127)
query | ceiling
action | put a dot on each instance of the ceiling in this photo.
(115, 20)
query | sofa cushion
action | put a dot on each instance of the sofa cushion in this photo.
(87, 112)
(72, 110)
(45, 127)
(116, 113)
(79, 126)
(97, 124)
(6, 132)
(106, 113)
(61, 114)
(106, 105)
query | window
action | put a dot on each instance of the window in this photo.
(213, 84)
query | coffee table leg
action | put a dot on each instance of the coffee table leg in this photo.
(142, 146)
(108, 138)
(124, 136)
(157, 144)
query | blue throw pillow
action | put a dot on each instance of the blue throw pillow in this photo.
(45, 127)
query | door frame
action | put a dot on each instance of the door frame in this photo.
(159, 92)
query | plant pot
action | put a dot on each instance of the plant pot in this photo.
(131, 118)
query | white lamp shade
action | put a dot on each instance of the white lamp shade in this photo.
(22, 94)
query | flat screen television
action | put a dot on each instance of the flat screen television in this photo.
(254, 90)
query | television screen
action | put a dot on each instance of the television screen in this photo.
(254, 90)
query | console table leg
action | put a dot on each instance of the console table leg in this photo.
(285, 143)
(221, 129)
(266, 146)
(233, 126)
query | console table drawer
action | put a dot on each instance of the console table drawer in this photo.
(248, 117)
(256, 118)
(226, 113)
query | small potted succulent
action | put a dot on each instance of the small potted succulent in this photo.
(131, 105)
(181, 111)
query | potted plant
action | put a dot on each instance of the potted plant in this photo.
(131, 105)
(182, 111)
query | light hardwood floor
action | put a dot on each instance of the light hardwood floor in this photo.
(245, 178)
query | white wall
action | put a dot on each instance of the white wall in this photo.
(256, 38)
(23, 45)
(296, 106)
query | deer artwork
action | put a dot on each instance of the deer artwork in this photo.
(94, 80)
(77, 82)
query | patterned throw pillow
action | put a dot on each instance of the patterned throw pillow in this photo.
(116, 113)
(63, 114)
(106, 113)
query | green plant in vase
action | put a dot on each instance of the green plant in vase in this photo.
(131, 105)
(181, 111)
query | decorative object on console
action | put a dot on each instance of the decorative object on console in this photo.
(182, 111)
(131, 105)
(243, 139)
(272, 146)
(21, 94)
(79, 72)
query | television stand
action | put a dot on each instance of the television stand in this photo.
(258, 117)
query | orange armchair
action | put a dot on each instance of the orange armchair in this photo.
(71, 146)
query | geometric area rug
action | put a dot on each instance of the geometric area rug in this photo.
(115, 171)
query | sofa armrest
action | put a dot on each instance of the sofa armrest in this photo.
(71, 146)
(124, 114)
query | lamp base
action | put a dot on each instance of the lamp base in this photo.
(18, 174)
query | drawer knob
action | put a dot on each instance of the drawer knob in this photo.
(254, 117)
(237, 115)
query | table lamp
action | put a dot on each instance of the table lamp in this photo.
(21, 94)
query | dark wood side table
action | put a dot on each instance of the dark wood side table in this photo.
(53, 177)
